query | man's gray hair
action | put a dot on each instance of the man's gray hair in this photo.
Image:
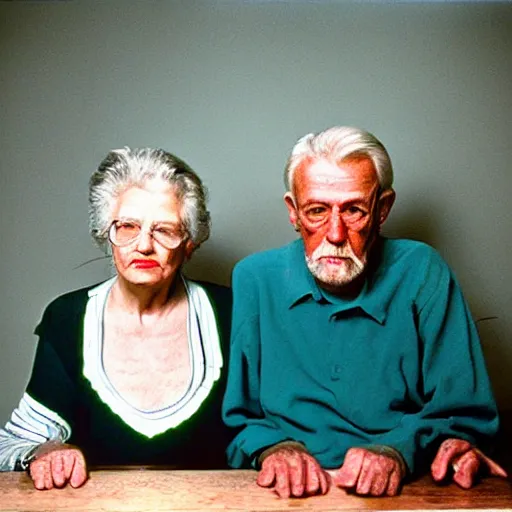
(125, 168)
(336, 144)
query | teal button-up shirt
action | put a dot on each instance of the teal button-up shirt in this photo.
(401, 365)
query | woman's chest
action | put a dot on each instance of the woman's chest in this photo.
(150, 370)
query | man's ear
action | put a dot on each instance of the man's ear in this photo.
(386, 200)
(292, 209)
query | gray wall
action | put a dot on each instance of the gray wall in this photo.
(229, 86)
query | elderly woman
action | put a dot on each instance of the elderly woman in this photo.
(129, 371)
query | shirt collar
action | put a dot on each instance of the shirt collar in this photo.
(302, 287)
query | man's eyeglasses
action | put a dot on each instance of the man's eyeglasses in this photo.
(124, 232)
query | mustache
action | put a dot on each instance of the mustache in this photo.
(325, 249)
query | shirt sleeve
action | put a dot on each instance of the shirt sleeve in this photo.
(31, 425)
(45, 410)
(51, 383)
(457, 393)
(242, 407)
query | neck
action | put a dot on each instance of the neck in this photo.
(143, 300)
(348, 291)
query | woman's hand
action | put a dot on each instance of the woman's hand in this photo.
(56, 464)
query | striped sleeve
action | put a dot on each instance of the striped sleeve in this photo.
(31, 425)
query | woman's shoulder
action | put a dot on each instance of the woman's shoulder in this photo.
(72, 299)
(68, 308)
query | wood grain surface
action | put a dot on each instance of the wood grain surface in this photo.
(158, 490)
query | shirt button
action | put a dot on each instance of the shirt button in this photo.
(335, 372)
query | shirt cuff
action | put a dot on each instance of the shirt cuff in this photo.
(292, 445)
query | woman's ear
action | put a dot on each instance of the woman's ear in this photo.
(386, 200)
(190, 247)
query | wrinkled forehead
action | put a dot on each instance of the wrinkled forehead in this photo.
(349, 176)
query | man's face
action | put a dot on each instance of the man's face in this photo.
(338, 209)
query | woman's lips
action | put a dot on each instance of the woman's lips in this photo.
(144, 263)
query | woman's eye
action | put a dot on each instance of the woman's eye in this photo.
(164, 231)
(128, 226)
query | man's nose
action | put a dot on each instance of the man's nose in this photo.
(336, 230)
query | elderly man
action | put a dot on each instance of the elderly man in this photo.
(350, 349)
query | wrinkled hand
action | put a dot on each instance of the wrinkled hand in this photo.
(371, 473)
(465, 460)
(292, 471)
(56, 464)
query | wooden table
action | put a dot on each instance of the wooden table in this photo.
(156, 490)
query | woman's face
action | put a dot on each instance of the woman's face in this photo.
(145, 261)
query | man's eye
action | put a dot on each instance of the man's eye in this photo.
(353, 213)
(315, 211)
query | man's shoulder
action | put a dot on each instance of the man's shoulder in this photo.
(414, 258)
(270, 259)
(404, 249)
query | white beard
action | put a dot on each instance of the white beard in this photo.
(335, 274)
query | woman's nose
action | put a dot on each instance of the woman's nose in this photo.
(145, 241)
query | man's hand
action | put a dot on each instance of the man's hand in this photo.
(292, 471)
(371, 472)
(465, 461)
(56, 464)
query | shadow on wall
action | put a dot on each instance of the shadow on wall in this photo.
(209, 263)
(414, 221)
(498, 359)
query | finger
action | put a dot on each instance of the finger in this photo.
(282, 486)
(365, 480)
(297, 466)
(57, 468)
(48, 480)
(325, 481)
(312, 476)
(394, 483)
(267, 475)
(448, 450)
(348, 474)
(69, 461)
(379, 484)
(36, 470)
(492, 467)
(467, 468)
(79, 471)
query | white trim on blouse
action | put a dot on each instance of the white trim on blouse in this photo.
(205, 356)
